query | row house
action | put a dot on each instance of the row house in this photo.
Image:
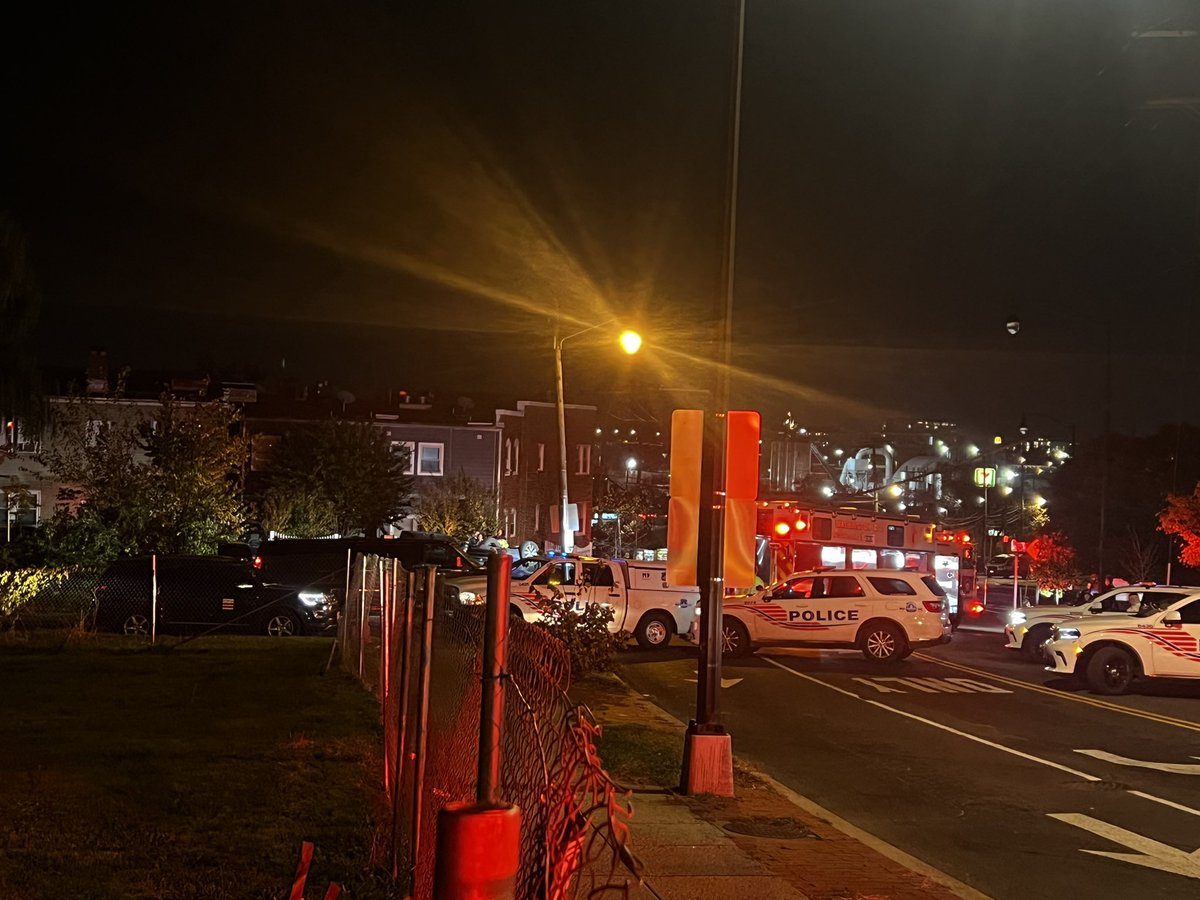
(529, 472)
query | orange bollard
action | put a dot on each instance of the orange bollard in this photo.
(478, 852)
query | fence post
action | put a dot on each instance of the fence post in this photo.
(461, 870)
(421, 735)
(385, 633)
(153, 597)
(362, 618)
(495, 666)
(405, 626)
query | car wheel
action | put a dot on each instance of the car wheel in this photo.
(735, 639)
(136, 624)
(1111, 670)
(1034, 644)
(654, 631)
(283, 624)
(883, 642)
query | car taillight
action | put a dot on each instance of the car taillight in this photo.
(933, 605)
(258, 562)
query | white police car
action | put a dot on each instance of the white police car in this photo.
(1161, 640)
(884, 614)
(1028, 629)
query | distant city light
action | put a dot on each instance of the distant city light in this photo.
(631, 463)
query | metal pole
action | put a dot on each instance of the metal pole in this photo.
(1016, 574)
(568, 537)
(362, 618)
(711, 543)
(385, 646)
(153, 597)
(421, 737)
(405, 629)
(495, 660)
(1107, 429)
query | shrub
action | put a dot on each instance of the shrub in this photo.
(585, 632)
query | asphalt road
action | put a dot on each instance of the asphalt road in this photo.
(970, 758)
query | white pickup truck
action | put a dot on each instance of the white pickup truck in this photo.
(637, 592)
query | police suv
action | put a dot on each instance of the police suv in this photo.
(1029, 629)
(1111, 652)
(885, 614)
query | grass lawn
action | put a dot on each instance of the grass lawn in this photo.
(638, 752)
(131, 772)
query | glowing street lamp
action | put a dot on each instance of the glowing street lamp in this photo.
(630, 342)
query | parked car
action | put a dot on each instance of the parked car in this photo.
(882, 613)
(321, 564)
(197, 593)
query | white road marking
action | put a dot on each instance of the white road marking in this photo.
(932, 685)
(1150, 853)
(725, 682)
(1045, 762)
(875, 683)
(1170, 803)
(981, 686)
(1174, 768)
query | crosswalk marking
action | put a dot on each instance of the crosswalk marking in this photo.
(896, 685)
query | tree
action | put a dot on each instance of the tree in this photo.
(1141, 472)
(1139, 558)
(1052, 562)
(458, 506)
(1181, 517)
(336, 477)
(166, 483)
(636, 507)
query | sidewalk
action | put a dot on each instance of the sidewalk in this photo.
(766, 842)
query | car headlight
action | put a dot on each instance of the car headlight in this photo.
(1066, 634)
(314, 598)
(1016, 617)
(469, 598)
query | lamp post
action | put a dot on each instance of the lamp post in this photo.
(631, 342)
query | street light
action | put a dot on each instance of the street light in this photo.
(630, 342)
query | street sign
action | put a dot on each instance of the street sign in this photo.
(985, 476)
(1018, 546)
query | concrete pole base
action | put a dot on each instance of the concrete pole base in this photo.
(478, 851)
(707, 761)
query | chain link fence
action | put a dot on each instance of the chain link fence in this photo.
(424, 658)
(48, 596)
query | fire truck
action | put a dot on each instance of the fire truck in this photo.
(794, 537)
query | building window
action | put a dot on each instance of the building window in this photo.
(23, 507)
(429, 459)
(510, 523)
(584, 456)
(516, 456)
(508, 466)
(537, 518)
(541, 458)
(400, 446)
(96, 428)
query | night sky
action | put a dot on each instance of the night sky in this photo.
(406, 194)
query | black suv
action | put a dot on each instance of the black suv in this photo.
(321, 565)
(197, 593)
